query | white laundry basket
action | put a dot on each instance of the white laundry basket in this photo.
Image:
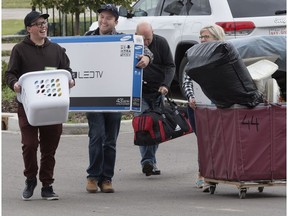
(261, 71)
(272, 91)
(45, 96)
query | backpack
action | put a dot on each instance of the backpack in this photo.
(160, 124)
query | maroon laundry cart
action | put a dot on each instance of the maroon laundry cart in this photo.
(242, 146)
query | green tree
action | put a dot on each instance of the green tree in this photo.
(76, 7)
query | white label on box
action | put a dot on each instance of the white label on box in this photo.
(105, 73)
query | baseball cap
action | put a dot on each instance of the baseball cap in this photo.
(32, 16)
(109, 7)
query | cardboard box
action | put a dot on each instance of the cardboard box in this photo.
(105, 73)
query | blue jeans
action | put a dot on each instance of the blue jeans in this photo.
(191, 117)
(103, 133)
(148, 153)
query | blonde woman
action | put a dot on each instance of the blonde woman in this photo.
(207, 34)
(211, 33)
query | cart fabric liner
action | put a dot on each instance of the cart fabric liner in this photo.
(242, 144)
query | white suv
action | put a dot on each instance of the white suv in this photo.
(180, 21)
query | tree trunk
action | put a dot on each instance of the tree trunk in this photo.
(77, 23)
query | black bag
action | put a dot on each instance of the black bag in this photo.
(178, 118)
(222, 74)
(160, 124)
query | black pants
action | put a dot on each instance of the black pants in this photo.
(48, 138)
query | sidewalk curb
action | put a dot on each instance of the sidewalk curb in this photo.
(11, 124)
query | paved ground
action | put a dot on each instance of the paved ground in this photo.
(171, 194)
(20, 13)
(14, 13)
(7, 46)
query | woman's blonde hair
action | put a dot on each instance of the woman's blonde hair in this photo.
(215, 30)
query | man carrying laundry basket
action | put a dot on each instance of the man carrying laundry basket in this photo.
(37, 53)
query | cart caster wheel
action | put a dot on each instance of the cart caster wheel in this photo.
(212, 189)
(242, 193)
(260, 189)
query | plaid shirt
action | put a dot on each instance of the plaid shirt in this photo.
(188, 87)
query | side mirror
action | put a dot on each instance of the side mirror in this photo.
(123, 11)
(140, 13)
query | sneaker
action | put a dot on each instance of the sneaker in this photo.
(29, 189)
(206, 188)
(106, 186)
(48, 193)
(147, 169)
(200, 181)
(155, 170)
(91, 186)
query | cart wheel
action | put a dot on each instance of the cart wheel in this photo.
(212, 189)
(260, 189)
(242, 193)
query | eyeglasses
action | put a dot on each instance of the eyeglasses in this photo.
(205, 36)
(40, 24)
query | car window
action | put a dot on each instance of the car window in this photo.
(186, 7)
(196, 7)
(257, 8)
(145, 8)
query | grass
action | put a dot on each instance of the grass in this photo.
(11, 27)
(8, 94)
(6, 53)
(16, 4)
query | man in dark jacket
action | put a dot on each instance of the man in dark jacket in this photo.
(157, 78)
(104, 127)
(37, 53)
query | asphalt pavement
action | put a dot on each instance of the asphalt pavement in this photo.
(172, 193)
(15, 13)
(20, 13)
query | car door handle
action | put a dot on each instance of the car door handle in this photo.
(177, 23)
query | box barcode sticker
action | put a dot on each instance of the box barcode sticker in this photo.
(125, 50)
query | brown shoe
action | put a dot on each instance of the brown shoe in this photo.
(91, 186)
(106, 187)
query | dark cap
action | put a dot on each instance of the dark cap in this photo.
(32, 16)
(109, 7)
